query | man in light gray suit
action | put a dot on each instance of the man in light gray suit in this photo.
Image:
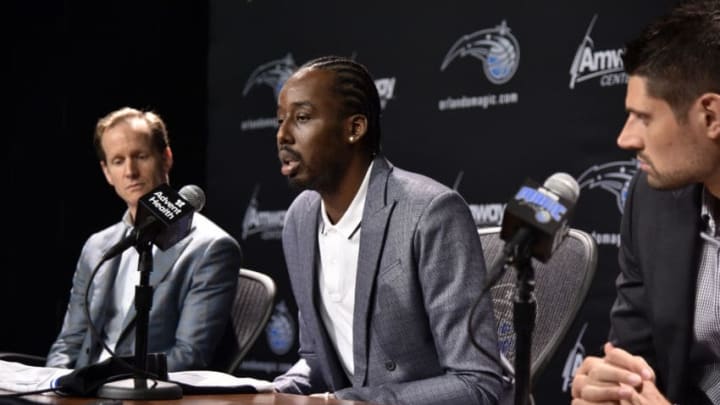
(385, 264)
(193, 281)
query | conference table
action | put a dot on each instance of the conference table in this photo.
(215, 399)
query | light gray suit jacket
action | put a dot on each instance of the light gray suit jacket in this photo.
(420, 270)
(193, 282)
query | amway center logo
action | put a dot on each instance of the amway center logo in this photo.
(484, 215)
(497, 48)
(268, 224)
(386, 90)
(589, 63)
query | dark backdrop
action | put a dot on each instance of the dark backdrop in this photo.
(212, 70)
(545, 95)
(72, 62)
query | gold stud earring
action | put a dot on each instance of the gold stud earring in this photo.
(351, 139)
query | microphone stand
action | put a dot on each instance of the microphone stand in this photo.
(138, 386)
(523, 320)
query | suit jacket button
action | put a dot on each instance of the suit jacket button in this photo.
(390, 365)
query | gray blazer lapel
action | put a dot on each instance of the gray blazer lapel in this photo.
(163, 261)
(101, 291)
(99, 295)
(307, 247)
(376, 216)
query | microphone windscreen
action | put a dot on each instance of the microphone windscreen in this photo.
(564, 185)
(194, 195)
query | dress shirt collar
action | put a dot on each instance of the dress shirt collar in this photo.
(349, 223)
(708, 212)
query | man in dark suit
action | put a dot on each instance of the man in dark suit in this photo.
(385, 264)
(665, 323)
(194, 281)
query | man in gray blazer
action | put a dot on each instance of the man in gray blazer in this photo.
(385, 264)
(193, 281)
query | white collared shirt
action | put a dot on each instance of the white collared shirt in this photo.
(705, 350)
(337, 269)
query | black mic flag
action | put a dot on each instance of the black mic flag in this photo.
(537, 216)
(163, 217)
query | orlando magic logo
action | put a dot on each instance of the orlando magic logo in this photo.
(273, 74)
(545, 206)
(280, 330)
(503, 295)
(496, 47)
(613, 177)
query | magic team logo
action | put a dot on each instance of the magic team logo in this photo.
(503, 295)
(545, 205)
(590, 63)
(280, 330)
(497, 49)
(268, 224)
(613, 177)
(272, 74)
(499, 52)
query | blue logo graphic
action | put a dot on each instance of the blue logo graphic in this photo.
(273, 74)
(497, 48)
(613, 177)
(546, 208)
(280, 331)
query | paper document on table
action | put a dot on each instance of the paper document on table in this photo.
(18, 377)
(209, 382)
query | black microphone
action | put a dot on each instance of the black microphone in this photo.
(536, 218)
(163, 217)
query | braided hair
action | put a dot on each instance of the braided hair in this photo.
(356, 86)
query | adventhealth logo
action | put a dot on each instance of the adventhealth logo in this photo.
(590, 63)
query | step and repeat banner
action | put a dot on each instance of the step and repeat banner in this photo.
(478, 95)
